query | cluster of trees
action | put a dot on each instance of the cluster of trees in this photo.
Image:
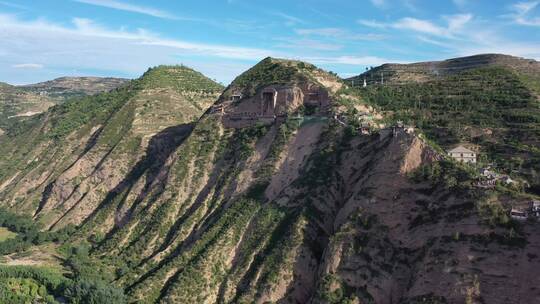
(14, 291)
(90, 281)
(265, 73)
(87, 283)
(25, 284)
(450, 175)
(28, 233)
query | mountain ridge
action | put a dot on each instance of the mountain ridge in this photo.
(75, 85)
(422, 71)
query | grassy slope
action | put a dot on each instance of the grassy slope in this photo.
(5, 234)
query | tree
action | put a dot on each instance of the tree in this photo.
(86, 291)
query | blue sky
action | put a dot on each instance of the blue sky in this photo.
(41, 40)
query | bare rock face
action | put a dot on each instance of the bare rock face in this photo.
(274, 101)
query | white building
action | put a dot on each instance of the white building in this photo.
(518, 214)
(463, 154)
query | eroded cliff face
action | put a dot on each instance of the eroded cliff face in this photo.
(63, 181)
(314, 216)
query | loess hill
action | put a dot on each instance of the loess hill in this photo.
(20, 102)
(270, 192)
(491, 102)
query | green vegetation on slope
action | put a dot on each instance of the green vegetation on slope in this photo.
(24, 284)
(489, 107)
(5, 234)
(118, 120)
(27, 233)
(75, 113)
(17, 103)
(270, 71)
(181, 78)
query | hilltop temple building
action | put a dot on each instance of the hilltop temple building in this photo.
(274, 101)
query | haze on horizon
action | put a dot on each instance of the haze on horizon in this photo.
(120, 38)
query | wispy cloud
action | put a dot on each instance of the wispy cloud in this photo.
(13, 5)
(454, 24)
(460, 3)
(480, 40)
(289, 19)
(337, 33)
(28, 66)
(351, 60)
(304, 44)
(85, 45)
(130, 8)
(379, 3)
(87, 29)
(373, 23)
(523, 11)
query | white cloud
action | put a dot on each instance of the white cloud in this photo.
(351, 60)
(454, 25)
(373, 23)
(418, 25)
(307, 44)
(481, 41)
(130, 8)
(86, 29)
(337, 33)
(458, 22)
(87, 46)
(489, 41)
(523, 11)
(28, 66)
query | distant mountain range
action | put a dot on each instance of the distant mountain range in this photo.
(75, 86)
(425, 71)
